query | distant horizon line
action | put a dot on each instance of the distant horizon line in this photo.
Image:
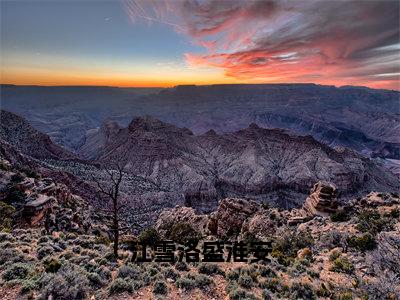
(199, 85)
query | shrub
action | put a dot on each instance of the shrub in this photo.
(191, 281)
(15, 196)
(17, 178)
(69, 282)
(233, 274)
(302, 291)
(51, 265)
(170, 273)
(286, 247)
(370, 220)
(5, 236)
(394, 213)
(266, 295)
(5, 165)
(149, 236)
(186, 283)
(44, 251)
(345, 296)
(95, 280)
(6, 212)
(342, 265)
(272, 284)
(239, 294)
(16, 271)
(340, 215)
(363, 243)
(246, 281)
(181, 266)
(129, 271)
(10, 255)
(334, 255)
(202, 282)
(119, 285)
(160, 288)
(183, 233)
(210, 269)
(267, 272)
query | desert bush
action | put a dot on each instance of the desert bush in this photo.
(129, 271)
(17, 178)
(149, 236)
(17, 271)
(342, 265)
(68, 283)
(340, 215)
(369, 220)
(160, 288)
(6, 237)
(191, 281)
(363, 243)
(170, 273)
(210, 269)
(344, 296)
(394, 213)
(102, 240)
(186, 283)
(181, 266)
(246, 281)
(10, 255)
(266, 295)
(6, 212)
(271, 284)
(15, 196)
(104, 272)
(44, 251)
(302, 291)
(95, 280)
(266, 272)
(202, 282)
(51, 265)
(183, 233)
(236, 293)
(334, 255)
(333, 239)
(233, 274)
(285, 248)
(120, 285)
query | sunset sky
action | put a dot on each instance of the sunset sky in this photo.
(165, 43)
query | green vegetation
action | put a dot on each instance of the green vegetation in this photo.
(160, 288)
(210, 269)
(149, 236)
(340, 215)
(6, 212)
(342, 265)
(363, 243)
(183, 233)
(369, 220)
(286, 247)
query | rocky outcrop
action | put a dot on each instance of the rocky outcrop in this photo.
(322, 200)
(227, 221)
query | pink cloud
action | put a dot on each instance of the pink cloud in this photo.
(333, 42)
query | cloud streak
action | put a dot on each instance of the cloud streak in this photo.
(330, 42)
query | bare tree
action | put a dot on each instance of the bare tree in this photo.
(110, 191)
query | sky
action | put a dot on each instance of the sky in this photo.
(166, 43)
